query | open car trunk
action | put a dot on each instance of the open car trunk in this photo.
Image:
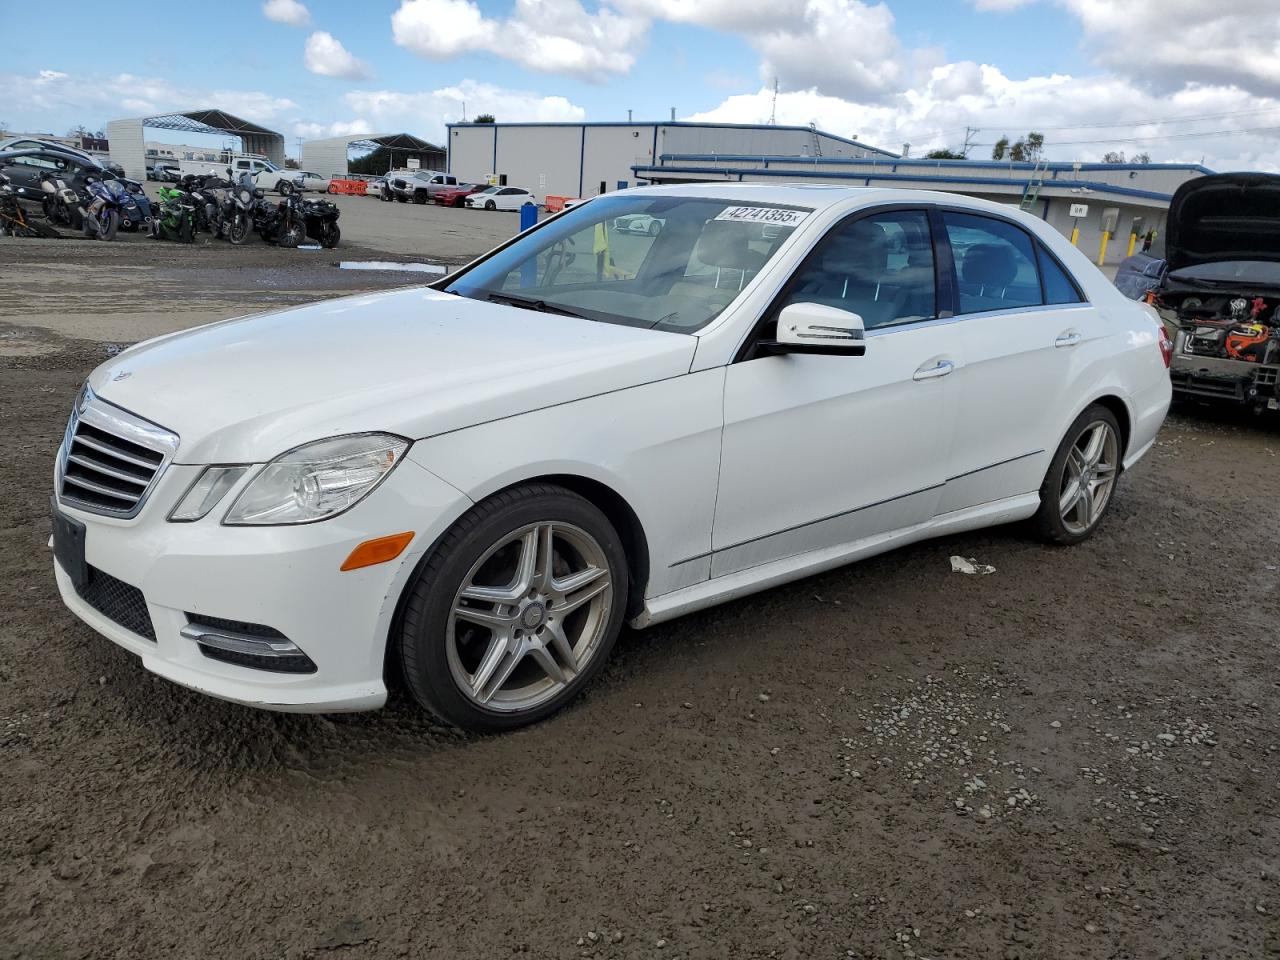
(1221, 287)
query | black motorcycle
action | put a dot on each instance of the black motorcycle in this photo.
(61, 204)
(282, 223)
(245, 198)
(322, 222)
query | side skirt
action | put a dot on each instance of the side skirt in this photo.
(754, 579)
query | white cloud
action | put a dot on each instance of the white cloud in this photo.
(549, 36)
(935, 112)
(291, 12)
(426, 113)
(52, 98)
(999, 6)
(341, 128)
(325, 55)
(1166, 43)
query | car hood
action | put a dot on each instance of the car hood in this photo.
(413, 362)
(1228, 216)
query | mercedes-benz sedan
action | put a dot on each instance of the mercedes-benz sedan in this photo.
(474, 485)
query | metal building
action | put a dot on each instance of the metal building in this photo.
(1121, 200)
(128, 144)
(330, 156)
(585, 159)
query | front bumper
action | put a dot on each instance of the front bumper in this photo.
(285, 578)
(1235, 381)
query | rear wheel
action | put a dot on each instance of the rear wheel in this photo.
(1082, 476)
(516, 610)
(332, 189)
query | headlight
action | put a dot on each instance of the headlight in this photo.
(318, 480)
(203, 495)
(245, 196)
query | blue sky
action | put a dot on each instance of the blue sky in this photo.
(1158, 78)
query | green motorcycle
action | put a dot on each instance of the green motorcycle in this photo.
(176, 216)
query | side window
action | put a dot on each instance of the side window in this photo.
(1058, 286)
(995, 263)
(879, 267)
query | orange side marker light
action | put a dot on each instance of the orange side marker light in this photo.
(381, 550)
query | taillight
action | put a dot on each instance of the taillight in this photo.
(1166, 345)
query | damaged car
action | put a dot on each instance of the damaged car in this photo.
(1219, 292)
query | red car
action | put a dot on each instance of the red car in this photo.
(457, 196)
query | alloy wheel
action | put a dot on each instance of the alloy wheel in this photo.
(529, 617)
(1088, 477)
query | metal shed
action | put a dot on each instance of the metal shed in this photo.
(128, 143)
(329, 156)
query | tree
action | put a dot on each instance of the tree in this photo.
(1142, 157)
(4, 128)
(943, 154)
(484, 118)
(1113, 156)
(1000, 149)
(1033, 145)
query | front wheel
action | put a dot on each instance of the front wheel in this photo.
(292, 235)
(284, 188)
(108, 224)
(1082, 476)
(490, 205)
(516, 610)
(330, 234)
(239, 231)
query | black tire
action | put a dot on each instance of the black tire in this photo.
(490, 205)
(1049, 523)
(187, 231)
(292, 235)
(109, 224)
(400, 199)
(423, 643)
(420, 196)
(240, 229)
(654, 228)
(284, 187)
(330, 234)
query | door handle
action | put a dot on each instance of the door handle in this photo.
(939, 369)
(1069, 339)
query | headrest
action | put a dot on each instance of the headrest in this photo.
(725, 245)
(862, 251)
(989, 264)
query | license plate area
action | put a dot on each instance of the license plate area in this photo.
(68, 547)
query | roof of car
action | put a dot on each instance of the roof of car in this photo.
(820, 196)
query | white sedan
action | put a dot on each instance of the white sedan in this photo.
(305, 180)
(475, 484)
(500, 198)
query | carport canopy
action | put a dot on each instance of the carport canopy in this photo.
(128, 143)
(330, 155)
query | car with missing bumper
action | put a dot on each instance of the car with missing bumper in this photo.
(471, 486)
(1218, 288)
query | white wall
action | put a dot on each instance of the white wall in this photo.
(128, 148)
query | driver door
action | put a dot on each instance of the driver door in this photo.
(822, 452)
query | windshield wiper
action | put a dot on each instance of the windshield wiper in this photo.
(530, 303)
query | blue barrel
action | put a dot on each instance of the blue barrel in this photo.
(528, 216)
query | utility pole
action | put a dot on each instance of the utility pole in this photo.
(969, 134)
(773, 113)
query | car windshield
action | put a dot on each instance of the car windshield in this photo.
(1232, 271)
(674, 268)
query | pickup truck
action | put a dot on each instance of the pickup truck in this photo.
(422, 186)
(265, 173)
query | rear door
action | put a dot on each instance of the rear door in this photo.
(1025, 327)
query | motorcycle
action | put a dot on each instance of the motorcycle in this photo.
(61, 204)
(13, 218)
(100, 217)
(245, 197)
(322, 222)
(282, 223)
(135, 208)
(176, 216)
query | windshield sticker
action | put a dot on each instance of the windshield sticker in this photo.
(771, 215)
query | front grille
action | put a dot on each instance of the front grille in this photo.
(110, 458)
(118, 601)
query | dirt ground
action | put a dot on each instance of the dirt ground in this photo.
(1074, 756)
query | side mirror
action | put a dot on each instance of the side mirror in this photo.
(814, 328)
